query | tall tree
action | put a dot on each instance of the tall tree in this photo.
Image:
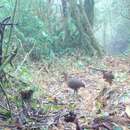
(65, 21)
(87, 38)
(89, 9)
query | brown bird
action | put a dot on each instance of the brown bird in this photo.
(26, 95)
(108, 76)
(73, 83)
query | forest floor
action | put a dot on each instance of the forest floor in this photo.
(57, 89)
(53, 99)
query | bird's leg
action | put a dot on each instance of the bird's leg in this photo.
(76, 96)
(74, 92)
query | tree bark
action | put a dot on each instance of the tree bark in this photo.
(87, 38)
(89, 9)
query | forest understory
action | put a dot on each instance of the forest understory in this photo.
(54, 106)
(51, 74)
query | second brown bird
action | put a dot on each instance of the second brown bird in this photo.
(108, 76)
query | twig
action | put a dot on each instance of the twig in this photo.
(11, 28)
(17, 79)
(6, 24)
(101, 70)
(18, 68)
(8, 103)
(7, 126)
(54, 103)
(3, 107)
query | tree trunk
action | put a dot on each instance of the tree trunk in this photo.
(89, 9)
(87, 38)
(65, 21)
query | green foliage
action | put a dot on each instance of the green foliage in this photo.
(30, 25)
(39, 24)
(24, 72)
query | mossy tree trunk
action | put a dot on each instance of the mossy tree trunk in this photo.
(67, 37)
(89, 9)
(87, 38)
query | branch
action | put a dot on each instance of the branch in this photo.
(4, 107)
(7, 99)
(18, 68)
(11, 29)
(9, 24)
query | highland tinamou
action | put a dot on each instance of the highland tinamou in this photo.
(108, 76)
(73, 83)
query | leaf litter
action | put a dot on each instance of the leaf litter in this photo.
(97, 105)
